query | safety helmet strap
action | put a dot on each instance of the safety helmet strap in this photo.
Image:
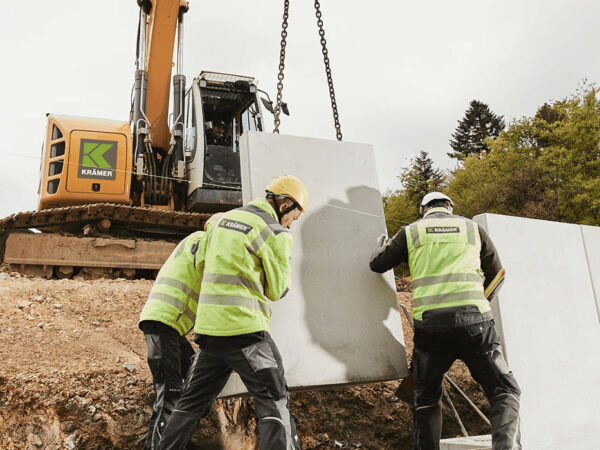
(279, 213)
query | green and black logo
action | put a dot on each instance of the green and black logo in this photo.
(442, 230)
(98, 159)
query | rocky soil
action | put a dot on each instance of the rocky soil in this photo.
(73, 374)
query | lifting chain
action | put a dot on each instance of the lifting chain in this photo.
(336, 117)
(284, 25)
(280, 76)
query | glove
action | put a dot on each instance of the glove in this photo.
(382, 240)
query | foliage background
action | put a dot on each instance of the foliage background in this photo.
(546, 166)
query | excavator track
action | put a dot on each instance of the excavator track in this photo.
(94, 240)
(167, 221)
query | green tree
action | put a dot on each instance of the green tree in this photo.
(571, 159)
(419, 178)
(478, 124)
(399, 210)
(506, 181)
(546, 166)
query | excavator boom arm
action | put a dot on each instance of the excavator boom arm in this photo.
(161, 22)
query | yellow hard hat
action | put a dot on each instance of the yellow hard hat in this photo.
(212, 219)
(290, 186)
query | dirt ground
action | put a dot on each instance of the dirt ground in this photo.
(73, 374)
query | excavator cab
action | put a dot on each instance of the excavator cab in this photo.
(219, 109)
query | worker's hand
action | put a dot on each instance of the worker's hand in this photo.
(382, 240)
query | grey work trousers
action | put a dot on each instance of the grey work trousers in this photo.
(479, 347)
(169, 358)
(257, 361)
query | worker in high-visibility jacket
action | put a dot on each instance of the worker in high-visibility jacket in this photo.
(451, 261)
(247, 264)
(167, 317)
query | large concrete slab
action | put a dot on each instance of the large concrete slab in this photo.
(467, 443)
(547, 317)
(340, 323)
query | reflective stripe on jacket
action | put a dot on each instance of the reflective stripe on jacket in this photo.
(444, 262)
(247, 264)
(173, 299)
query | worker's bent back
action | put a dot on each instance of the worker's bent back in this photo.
(246, 265)
(174, 295)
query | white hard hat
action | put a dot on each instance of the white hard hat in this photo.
(436, 196)
(433, 196)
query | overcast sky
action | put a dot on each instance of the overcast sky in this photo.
(404, 72)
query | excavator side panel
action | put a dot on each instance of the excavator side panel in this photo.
(93, 162)
(85, 161)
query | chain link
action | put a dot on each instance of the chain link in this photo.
(280, 76)
(284, 25)
(336, 117)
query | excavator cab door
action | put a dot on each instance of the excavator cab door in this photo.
(222, 108)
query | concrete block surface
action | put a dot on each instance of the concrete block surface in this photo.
(339, 324)
(546, 314)
(467, 443)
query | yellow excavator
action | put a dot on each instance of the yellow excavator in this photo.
(114, 196)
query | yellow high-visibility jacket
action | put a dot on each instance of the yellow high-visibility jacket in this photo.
(247, 263)
(443, 257)
(173, 299)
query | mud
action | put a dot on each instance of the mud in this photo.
(73, 375)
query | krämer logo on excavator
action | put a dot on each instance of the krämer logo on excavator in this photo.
(97, 159)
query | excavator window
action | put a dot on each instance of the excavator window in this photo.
(55, 168)
(53, 186)
(56, 133)
(225, 108)
(191, 130)
(57, 149)
(224, 111)
(249, 119)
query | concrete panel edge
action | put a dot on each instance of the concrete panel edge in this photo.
(591, 272)
(482, 219)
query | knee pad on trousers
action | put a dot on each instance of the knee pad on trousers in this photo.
(427, 400)
(498, 362)
(503, 372)
(427, 407)
(272, 433)
(267, 366)
(273, 437)
(172, 394)
(274, 383)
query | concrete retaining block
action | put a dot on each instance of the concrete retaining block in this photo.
(467, 443)
(547, 316)
(339, 324)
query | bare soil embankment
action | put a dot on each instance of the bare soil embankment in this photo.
(73, 374)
